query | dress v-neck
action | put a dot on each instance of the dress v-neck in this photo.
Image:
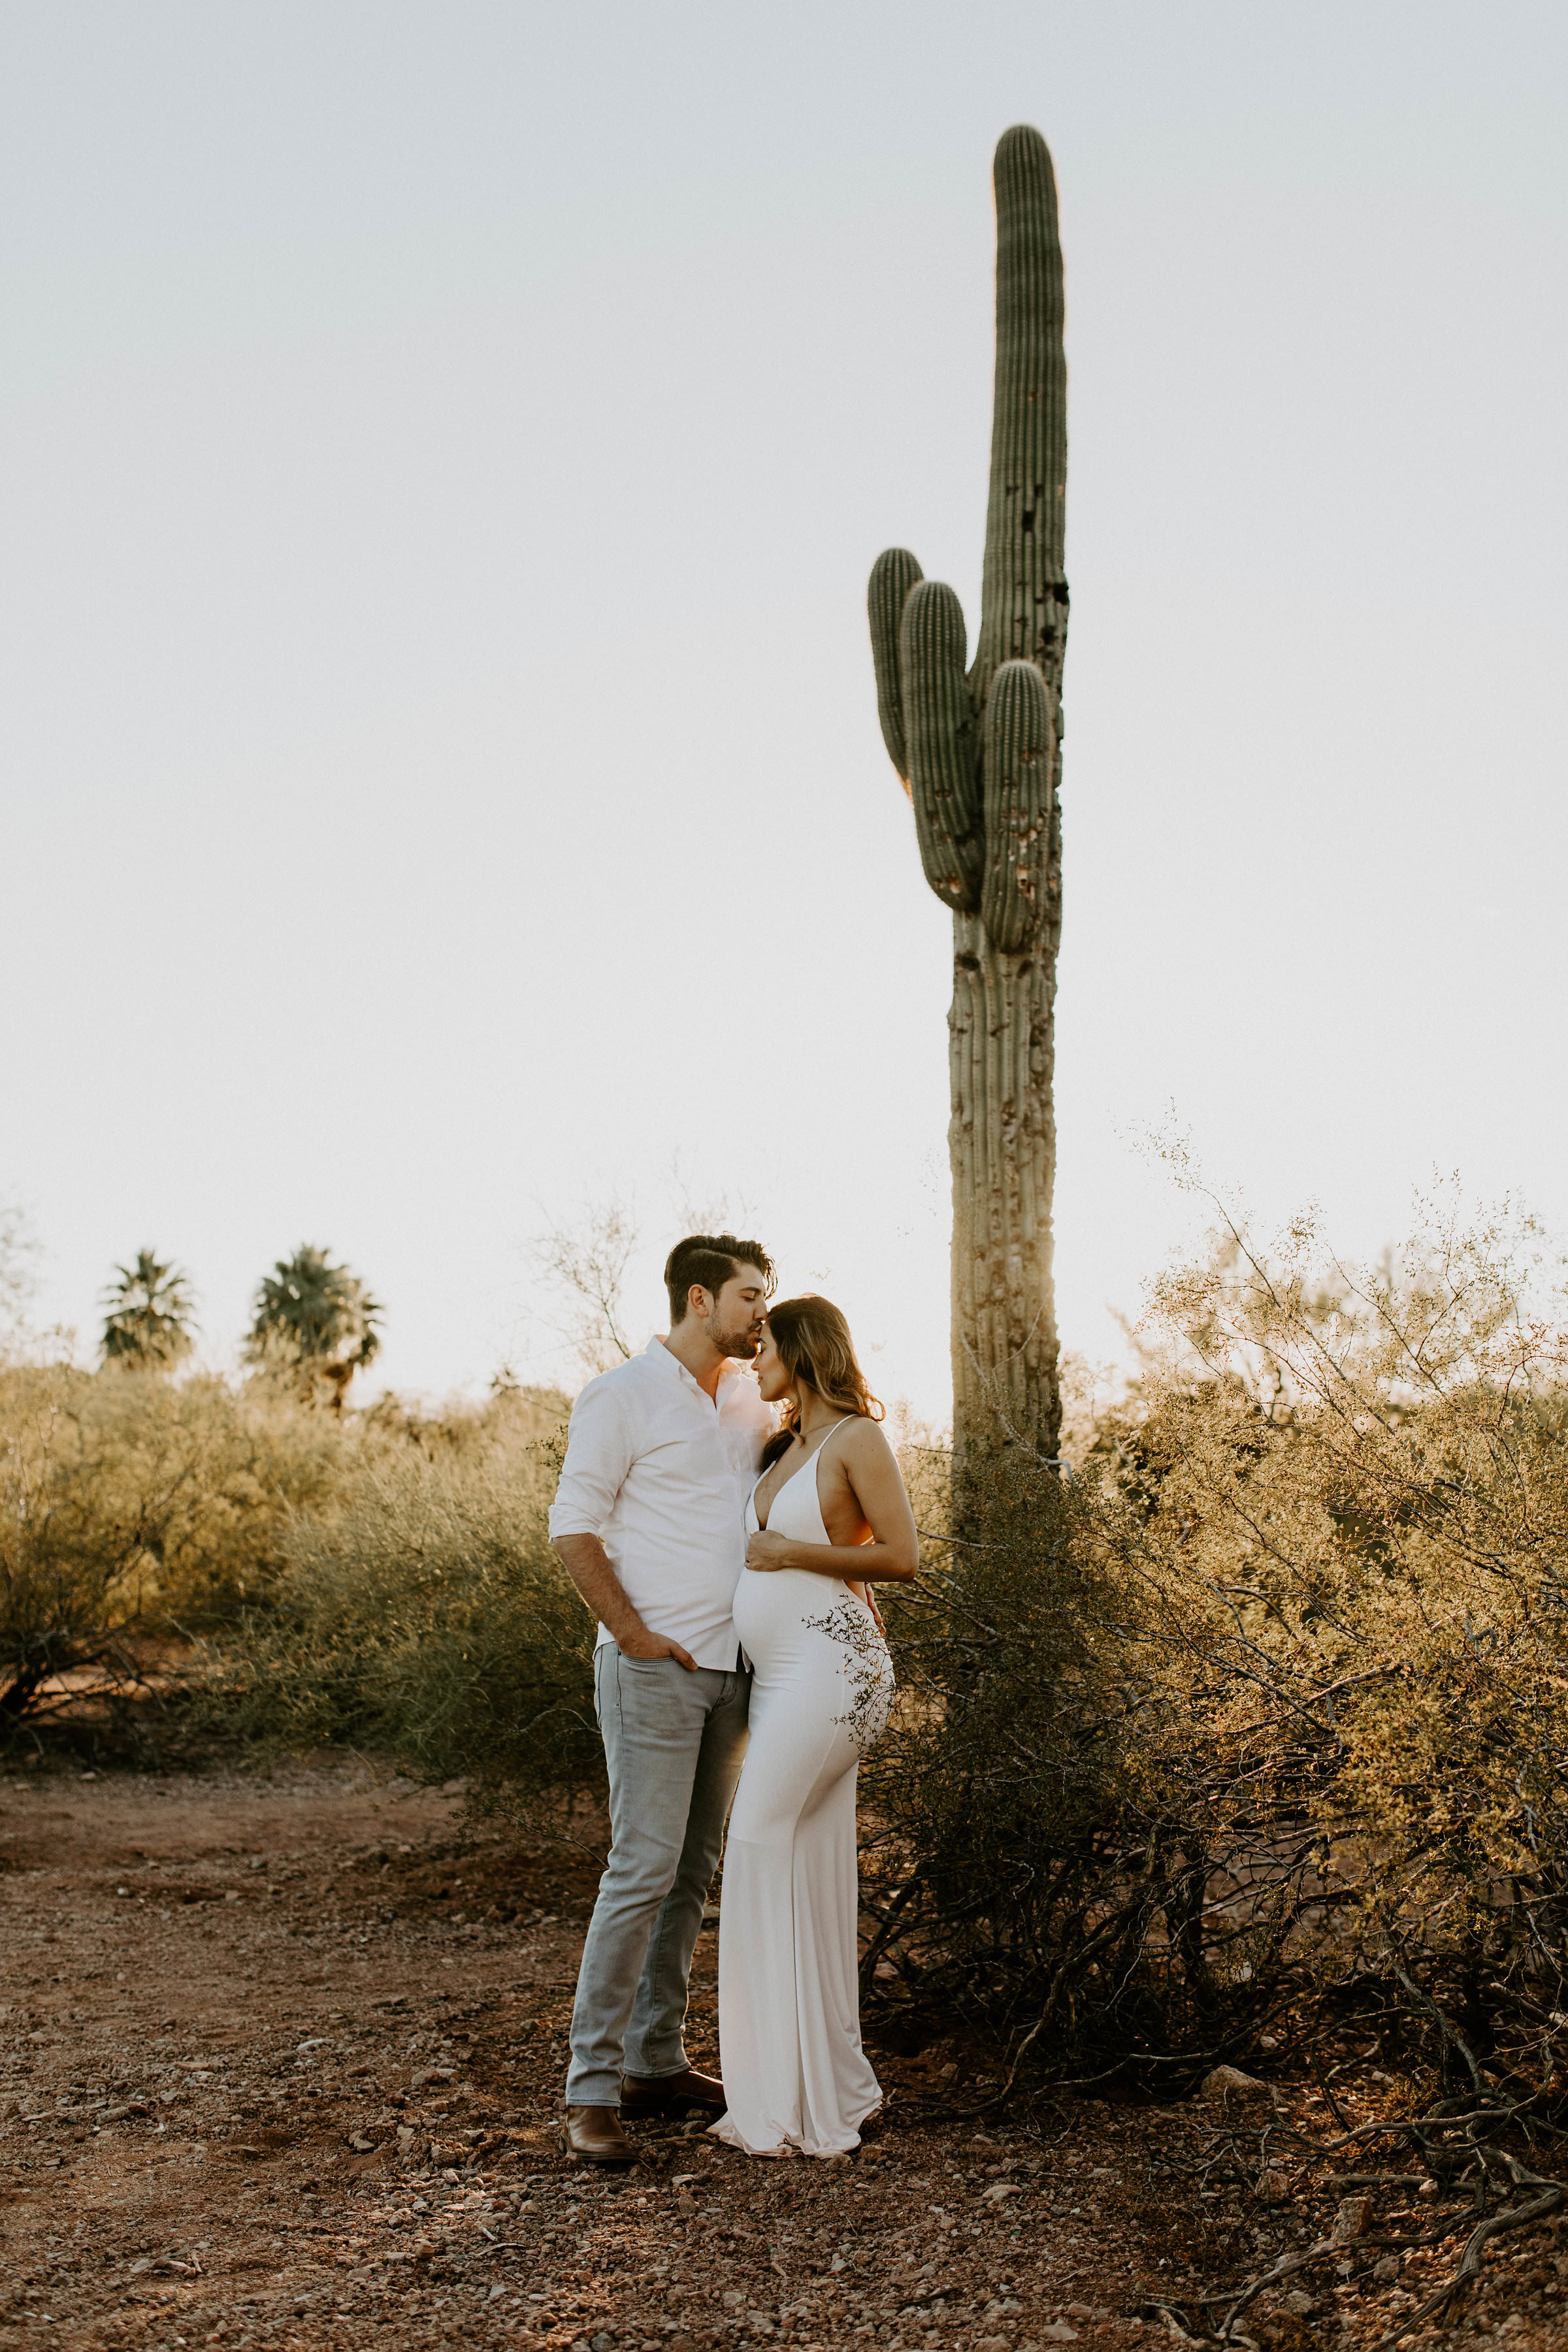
(763, 1525)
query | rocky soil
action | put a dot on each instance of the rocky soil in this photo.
(283, 2061)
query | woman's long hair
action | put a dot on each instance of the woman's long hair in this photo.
(812, 1337)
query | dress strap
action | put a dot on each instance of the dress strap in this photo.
(835, 1430)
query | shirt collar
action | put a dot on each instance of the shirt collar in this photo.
(669, 1361)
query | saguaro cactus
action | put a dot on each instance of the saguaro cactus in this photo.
(979, 753)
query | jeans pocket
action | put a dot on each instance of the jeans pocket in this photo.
(652, 1674)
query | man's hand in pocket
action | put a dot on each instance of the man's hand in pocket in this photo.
(644, 1644)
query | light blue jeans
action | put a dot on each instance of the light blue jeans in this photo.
(674, 1741)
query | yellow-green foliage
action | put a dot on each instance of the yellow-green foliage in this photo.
(426, 1617)
(137, 1512)
(1272, 1699)
(1362, 1522)
(129, 1506)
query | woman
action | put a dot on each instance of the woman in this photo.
(828, 1517)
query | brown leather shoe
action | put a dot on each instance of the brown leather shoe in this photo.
(670, 2094)
(594, 2136)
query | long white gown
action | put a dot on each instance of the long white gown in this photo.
(789, 2001)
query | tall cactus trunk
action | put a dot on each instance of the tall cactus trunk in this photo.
(980, 755)
(1002, 1145)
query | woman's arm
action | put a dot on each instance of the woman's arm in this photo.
(889, 1555)
(845, 1560)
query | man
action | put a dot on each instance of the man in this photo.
(649, 1521)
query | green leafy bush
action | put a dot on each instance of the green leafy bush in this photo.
(425, 1618)
(1262, 1717)
(381, 1577)
(133, 1510)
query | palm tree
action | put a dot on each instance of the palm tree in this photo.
(151, 1315)
(316, 1318)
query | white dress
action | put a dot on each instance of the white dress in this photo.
(789, 2001)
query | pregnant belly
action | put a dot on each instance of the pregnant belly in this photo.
(792, 1624)
(774, 1610)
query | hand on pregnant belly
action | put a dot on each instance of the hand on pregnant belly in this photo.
(764, 1550)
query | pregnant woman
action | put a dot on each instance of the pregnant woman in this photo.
(828, 1517)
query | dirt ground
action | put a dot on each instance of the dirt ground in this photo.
(282, 2059)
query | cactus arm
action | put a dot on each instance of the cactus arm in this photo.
(1020, 754)
(942, 740)
(1023, 599)
(893, 575)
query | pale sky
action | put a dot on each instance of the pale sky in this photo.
(444, 446)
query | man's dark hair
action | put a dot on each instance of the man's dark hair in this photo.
(710, 1260)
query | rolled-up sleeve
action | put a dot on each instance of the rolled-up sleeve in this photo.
(598, 1456)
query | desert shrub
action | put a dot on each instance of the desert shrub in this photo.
(425, 1618)
(1007, 1815)
(1261, 1719)
(131, 1508)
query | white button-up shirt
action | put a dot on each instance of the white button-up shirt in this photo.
(660, 1474)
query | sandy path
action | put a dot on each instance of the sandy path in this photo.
(283, 2061)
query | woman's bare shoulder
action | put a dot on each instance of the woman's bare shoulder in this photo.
(867, 1442)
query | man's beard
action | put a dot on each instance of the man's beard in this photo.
(742, 1341)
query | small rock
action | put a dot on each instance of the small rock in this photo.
(1055, 2331)
(1273, 2187)
(1351, 2220)
(1228, 2082)
(1388, 2268)
(1299, 2303)
(999, 2188)
(361, 2145)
